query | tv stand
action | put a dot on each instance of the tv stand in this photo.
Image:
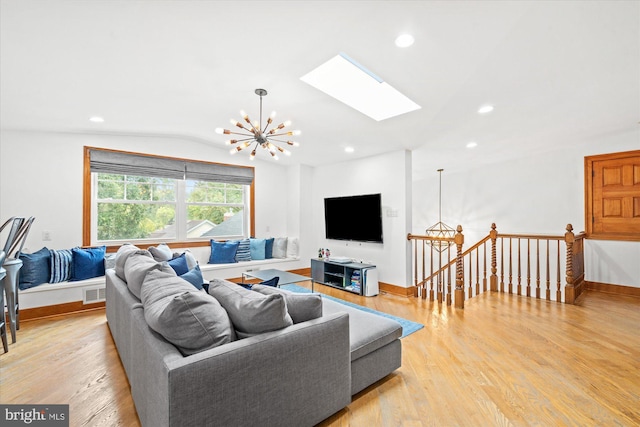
(355, 277)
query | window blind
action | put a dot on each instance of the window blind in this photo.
(116, 162)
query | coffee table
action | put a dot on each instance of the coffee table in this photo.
(285, 277)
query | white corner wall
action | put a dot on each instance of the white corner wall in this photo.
(388, 174)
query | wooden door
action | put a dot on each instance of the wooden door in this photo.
(613, 196)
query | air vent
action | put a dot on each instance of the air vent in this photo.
(92, 295)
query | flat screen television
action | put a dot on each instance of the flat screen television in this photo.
(356, 218)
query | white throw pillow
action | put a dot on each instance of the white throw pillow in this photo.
(292, 247)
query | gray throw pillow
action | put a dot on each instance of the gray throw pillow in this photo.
(137, 266)
(161, 252)
(301, 307)
(121, 258)
(186, 317)
(280, 247)
(250, 312)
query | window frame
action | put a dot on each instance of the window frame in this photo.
(89, 217)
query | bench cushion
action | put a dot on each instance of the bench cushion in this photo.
(367, 332)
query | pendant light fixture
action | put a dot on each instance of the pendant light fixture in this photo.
(260, 136)
(440, 229)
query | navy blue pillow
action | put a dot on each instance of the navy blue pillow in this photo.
(223, 252)
(87, 263)
(268, 248)
(194, 276)
(179, 264)
(35, 269)
(271, 282)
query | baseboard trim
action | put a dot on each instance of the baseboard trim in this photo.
(57, 310)
(396, 290)
(612, 289)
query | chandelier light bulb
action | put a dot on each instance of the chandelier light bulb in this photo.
(233, 150)
(243, 114)
(252, 155)
(234, 122)
(287, 123)
(219, 131)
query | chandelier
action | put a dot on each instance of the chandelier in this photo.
(440, 229)
(258, 136)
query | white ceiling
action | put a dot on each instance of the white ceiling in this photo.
(557, 72)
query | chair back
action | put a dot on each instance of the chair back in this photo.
(15, 223)
(21, 237)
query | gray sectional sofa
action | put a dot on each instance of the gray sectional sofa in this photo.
(295, 376)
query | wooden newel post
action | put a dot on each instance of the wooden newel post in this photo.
(493, 280)
(459, 293)
(569, 289)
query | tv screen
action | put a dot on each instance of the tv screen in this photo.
(357, 218)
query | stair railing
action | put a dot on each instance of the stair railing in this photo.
(510, 254)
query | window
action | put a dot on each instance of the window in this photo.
(132, 197)
(612, 187)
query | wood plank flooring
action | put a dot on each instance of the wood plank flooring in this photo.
(502, 361)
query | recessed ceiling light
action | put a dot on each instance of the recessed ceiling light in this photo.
(485, 109)
(96, 119)
(404, 40)
(349, 150)
(351, 83)
(472, 144)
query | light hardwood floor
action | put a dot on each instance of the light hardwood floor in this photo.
(503, 360)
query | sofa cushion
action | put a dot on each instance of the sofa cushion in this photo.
(223, 252)
(179, 264)
(60, 265)
(121, 258)
(379, 331)
(244, 250)
(137, 266)
(280, 247)
(194, 276)
(35, 268)
(87, 263)
(301, 307)
(189, 319)
(250, 312)
(162, 252)
(257, 248)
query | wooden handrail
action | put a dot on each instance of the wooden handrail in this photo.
(529, 280)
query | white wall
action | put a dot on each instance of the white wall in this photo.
(530, 193)
(41, 175)
(388, 174)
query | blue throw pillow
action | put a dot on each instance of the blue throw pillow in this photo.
(268, 248)
(35, 269)
(194, 276)
(271, 282)
(257, 247)
(223, 252)
(244, 250)
(179, 264)
(87, 263)
(61, 263)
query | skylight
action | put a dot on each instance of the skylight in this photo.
(351, 83)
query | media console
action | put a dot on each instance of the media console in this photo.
(361, 279)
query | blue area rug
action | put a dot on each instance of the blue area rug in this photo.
(408, 327)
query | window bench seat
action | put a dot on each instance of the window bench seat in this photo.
(90, 291)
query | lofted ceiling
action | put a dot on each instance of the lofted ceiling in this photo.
(557, 72)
